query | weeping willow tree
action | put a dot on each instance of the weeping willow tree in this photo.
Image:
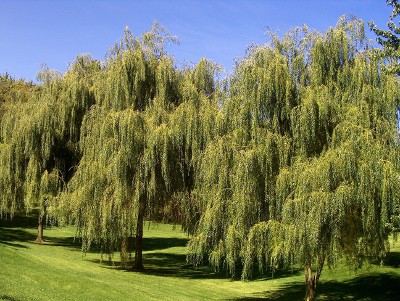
(26, 149)
(194, 123)
(38, 133)
(12, 94)
(305, 170)
(137, 144)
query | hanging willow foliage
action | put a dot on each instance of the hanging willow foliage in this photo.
(138, 144)
(293, 159)
(10, 189)
(307, 170)
(39, 135)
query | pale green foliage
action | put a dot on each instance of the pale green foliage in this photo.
(107, 184)
(38, 134)
(292, 160)
(235, 188)
(139, 143)
(305, 170)
(28, 136)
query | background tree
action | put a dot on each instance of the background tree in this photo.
(306, 171)
(389, 38)
(12, 90)
(38, 137)
(13, 93)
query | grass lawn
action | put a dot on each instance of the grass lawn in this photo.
(57, 270)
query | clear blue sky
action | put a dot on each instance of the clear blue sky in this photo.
(55, 31)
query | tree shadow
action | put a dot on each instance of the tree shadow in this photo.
(13, 237)
(273, 275)
(7, 298)
(149, 243)
(376, 286)
(175, 265)
(12, 231)
(161, 243)
(167, 265)
(21, 220)
(290, 292)
(69, 242)
(392, 259)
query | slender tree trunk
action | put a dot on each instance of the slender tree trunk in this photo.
(311, 284)
(139, 240)
(42, 214)
(312, 280)
(39, 237)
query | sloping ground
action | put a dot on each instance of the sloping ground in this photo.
(58, 270)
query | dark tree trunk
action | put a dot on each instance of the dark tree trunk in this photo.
(42, 214)
(311, 284)
(312, 280)
(138, 265)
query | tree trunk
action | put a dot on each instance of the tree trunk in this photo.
(312, 280)
(139, 240)
(42, 214)
(311, 284)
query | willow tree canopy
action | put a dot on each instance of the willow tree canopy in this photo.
(293, 159)
(139, 143)
(39, 132)
(306, 170)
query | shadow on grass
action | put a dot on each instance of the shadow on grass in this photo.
(21, 220)
(159, 262)
(149, 243)
(69, 242)
(13, 237)
(161, 243)
(7, 298)
(174, 265)
(392, 259)
(168, 265)
(12, 232)
(16, 230)
(376, 286)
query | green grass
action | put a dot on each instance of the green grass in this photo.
(58, 270)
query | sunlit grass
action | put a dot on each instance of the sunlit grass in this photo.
(58, 270)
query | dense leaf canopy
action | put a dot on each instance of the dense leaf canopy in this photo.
(306, 170)
(292, 159)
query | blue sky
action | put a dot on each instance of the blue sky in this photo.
(55, 31)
